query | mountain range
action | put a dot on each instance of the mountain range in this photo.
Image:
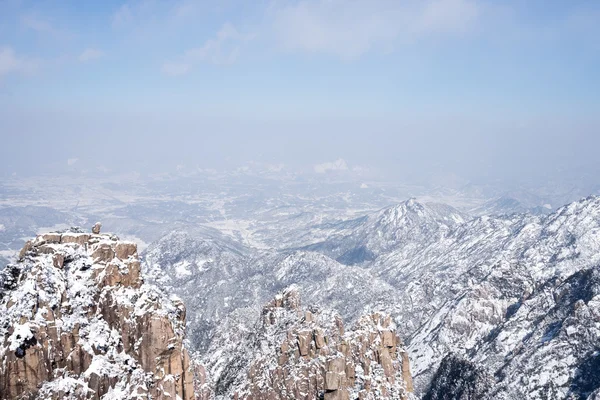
(498, 306)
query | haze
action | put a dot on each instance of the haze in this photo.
(482, 90)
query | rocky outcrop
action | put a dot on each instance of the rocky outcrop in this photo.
(296, 353)
(77, 321)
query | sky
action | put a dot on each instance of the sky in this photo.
(481, 89)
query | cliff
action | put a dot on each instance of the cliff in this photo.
(77, 321)
(298, 353)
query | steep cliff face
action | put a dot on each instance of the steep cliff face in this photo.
(77, 321)
(296, 353)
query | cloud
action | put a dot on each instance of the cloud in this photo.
(11, 63)
(176, 69)
(45, 28)
(90, 54)
(8, 61)
(348, 29)
(37, 24)
(338, 165)
(123, 16)
(447, 16)
(223, 49)
(72, 161)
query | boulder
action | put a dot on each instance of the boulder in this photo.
(96, 228)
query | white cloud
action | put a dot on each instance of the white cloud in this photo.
(122, 16)
(10, 62)
(43, 27)
(1, 227)
(72, 161)
(90, 54)
(222, 49)
(447, 16)
(348, 29)
(176, 69)
(338, 165)
(37, 24)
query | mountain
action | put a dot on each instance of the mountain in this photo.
(407, 225)
(77, 321)
(508, 205)
(487, 307)
(218, 277)
(490, 287)
(197, 266)
(481, 294)
(296, 353)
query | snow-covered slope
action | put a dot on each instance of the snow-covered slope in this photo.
(460, 286)
(408, 225)
(216, 277)
(486, 293)
(77, 321)
(296, 353)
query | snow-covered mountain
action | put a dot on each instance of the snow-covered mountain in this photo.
(306, 353)
(493, 307)
(483, 292)
(408, 225)
(217, 278)
(77, 321)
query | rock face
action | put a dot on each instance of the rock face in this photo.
(77, 321)
(306, 354)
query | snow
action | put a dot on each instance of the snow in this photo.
(67, 298)
(448, 279)
(22, 333)
(182, 269)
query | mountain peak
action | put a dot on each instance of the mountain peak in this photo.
(323, 358)
(78, 321)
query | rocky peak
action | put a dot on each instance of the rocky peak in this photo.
(78, 321)
(306, 353)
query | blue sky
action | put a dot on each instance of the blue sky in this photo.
(301, 81)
